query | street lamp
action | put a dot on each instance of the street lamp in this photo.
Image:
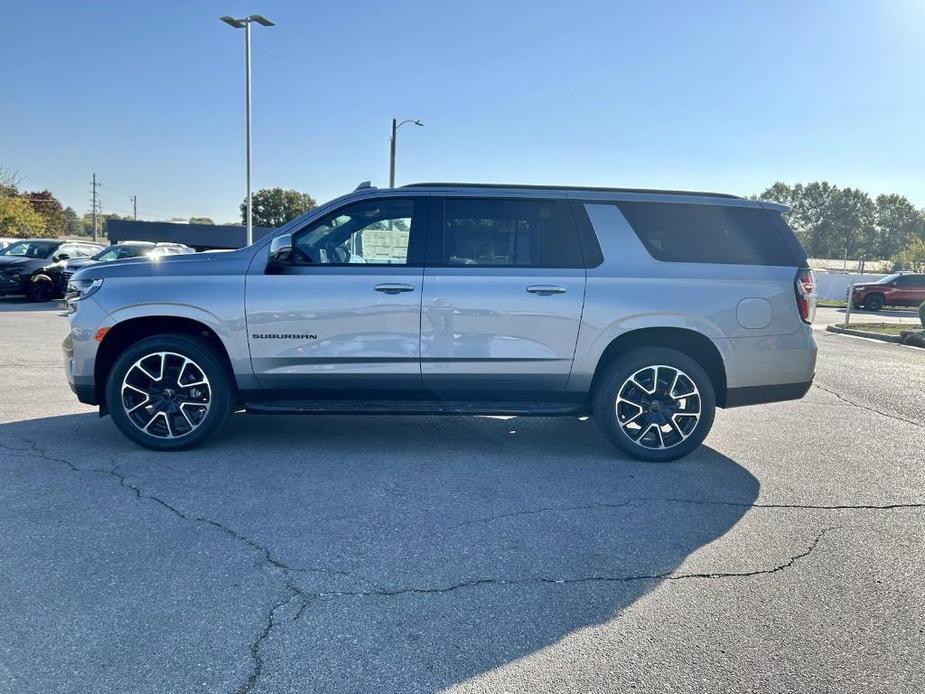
(245, 23)
(395, 126)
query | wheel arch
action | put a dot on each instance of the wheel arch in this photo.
(127, 332)
(690, 342)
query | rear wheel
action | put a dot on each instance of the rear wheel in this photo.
(655, 404)
(874, 302)
(169, 392)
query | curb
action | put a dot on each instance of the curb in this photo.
(864, 333)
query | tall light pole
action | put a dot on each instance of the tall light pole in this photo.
(395, 126)
(245, 23)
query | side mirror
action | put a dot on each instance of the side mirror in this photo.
(281, 250)
(62, 256)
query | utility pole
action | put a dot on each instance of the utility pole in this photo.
(95, 186)
(135, 207)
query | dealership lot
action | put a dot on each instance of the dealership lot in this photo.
(408, 554)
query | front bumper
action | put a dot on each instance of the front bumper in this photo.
(80, 348)
(11, 284)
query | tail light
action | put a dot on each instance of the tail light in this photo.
(805, 285)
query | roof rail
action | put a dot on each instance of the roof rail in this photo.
(593, 189)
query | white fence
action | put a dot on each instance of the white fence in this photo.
(834, 285)
(840, 265)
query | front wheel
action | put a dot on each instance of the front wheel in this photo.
(874, 302)
(40, 289)
(655, 404)
(169, 392)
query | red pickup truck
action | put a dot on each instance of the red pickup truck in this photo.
(905, 289)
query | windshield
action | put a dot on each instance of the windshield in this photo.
(30, 249)
(887, 279)
(119, 252)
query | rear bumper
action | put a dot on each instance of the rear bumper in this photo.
(769, 363)
(756, 395)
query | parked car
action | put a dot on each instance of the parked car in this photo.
(901, 289)
(646, 309)
(21, 264)
(50, 281)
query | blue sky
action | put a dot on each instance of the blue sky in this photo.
(726, 96)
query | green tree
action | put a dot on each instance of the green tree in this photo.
(898, 223)
(18, 218)
(912, 257)
(47, 205)
(200, 220)
(273, 207)
(852, 230)
(811, 214)
(74, 227)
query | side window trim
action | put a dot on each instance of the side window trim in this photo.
(587, 237)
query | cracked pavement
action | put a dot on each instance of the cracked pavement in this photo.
(413, 554)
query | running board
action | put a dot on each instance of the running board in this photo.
(414, 407)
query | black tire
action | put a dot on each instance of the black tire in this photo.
(169, 432)
(40, 288)
(873, 302)
(685, 433)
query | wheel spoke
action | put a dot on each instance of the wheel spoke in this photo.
(146, 401)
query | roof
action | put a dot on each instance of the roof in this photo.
(591, 189)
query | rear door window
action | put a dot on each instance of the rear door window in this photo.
(497, 232)
(725, 234)
(911, 281)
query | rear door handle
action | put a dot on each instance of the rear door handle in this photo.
(394, 288)
(545, 289)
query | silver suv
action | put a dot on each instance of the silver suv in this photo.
(646, 309)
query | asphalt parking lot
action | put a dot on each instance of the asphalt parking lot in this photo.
(410, 554)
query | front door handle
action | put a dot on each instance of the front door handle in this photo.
(545, 289)
(390, 288)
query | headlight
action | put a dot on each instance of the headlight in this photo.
(81, 289)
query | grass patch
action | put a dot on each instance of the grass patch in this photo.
(830, 303)
(884, 328)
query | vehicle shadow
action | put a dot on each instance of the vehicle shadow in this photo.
(423, 551)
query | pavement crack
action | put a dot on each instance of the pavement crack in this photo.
(808, 507)
(264, 552)
(866, 407)
(698, 502)
(255, 649)
(540, 580)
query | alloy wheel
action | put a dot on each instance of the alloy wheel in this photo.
(166, 395)
(658, 407)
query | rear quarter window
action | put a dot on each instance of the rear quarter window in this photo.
(730, 235)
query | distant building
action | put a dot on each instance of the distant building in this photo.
(202, 237)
